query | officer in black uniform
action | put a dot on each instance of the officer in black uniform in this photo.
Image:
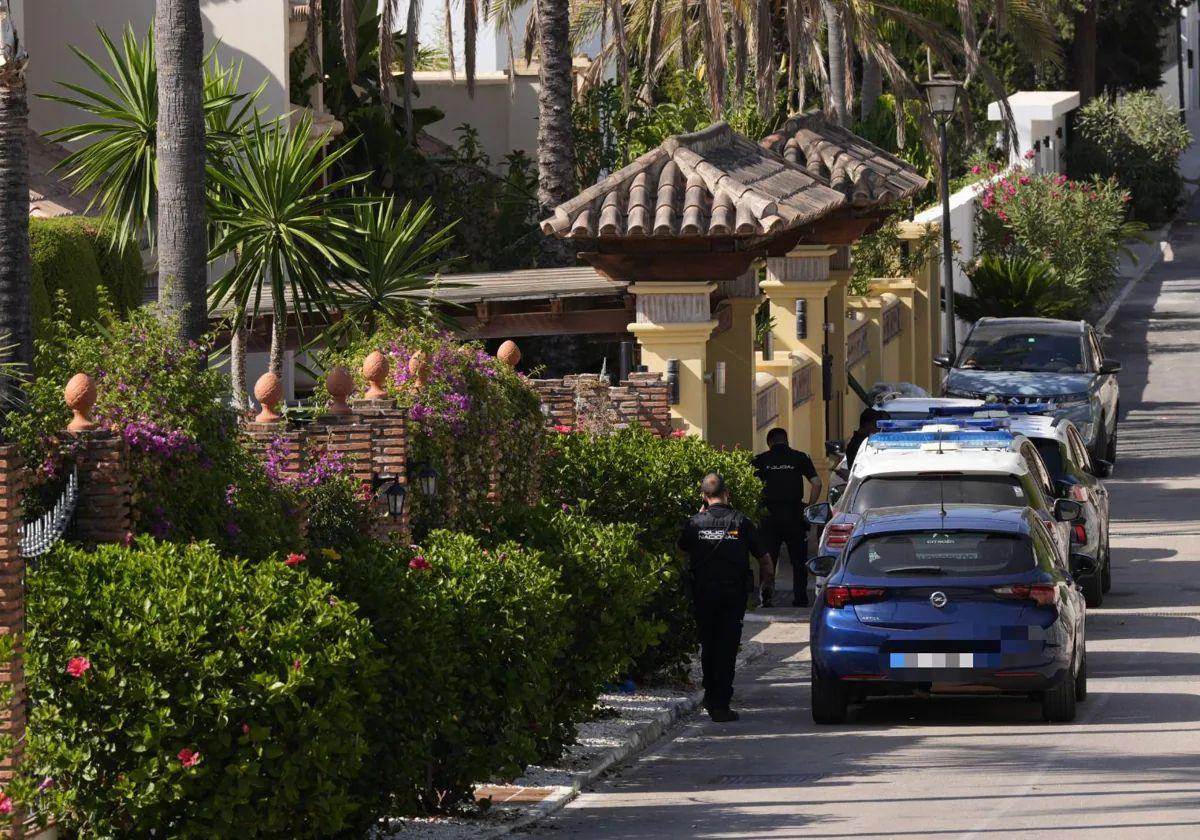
(719, 541)
(783, 471)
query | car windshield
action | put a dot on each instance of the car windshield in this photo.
(1021, 349)
(939, 553)
(891, 491)
(1051, 455)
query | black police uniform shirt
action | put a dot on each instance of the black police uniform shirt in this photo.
(719, 541)
(782, 471)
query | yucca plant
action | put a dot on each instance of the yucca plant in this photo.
(119, 157)
(1014, 287)
(398, 263)
(286, 223)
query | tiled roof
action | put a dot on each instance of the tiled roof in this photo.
(49, 195)
(713, 182)
(865, 174)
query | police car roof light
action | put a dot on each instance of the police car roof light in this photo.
(990, 424)
(920, 440)
(972, 410)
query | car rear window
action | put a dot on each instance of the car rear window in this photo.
(892, 491)
(1051, 455)
(939, 553)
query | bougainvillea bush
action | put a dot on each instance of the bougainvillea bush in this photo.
(653, 483)
(1076, 227)
(470, 412)
(192, 476)
(178, 692)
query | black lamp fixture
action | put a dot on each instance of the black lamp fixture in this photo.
(941, 93)
(427, 477)
(396, 494)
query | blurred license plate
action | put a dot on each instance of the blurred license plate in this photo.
(933, 660)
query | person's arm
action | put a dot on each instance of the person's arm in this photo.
(815, 486)
(687, 537)
(766, 563)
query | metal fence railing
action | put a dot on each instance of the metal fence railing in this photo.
(40, 535)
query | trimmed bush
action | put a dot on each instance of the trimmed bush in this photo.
(1136, 139)
(470, 637)
(634, 477)
(1017, 287)
(180, 693)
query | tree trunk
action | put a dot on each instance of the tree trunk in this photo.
(1083, 52)
(15, 282)
(835, 52)
(555, 141)
(182, 239)
(872, 85)
(278, 341)
(237, 366)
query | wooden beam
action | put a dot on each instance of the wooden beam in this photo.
(519, 324)
(671, 267)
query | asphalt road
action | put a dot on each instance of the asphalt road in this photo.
(1128, 767)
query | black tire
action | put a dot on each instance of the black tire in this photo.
(1110, 448)
(1093, 589)
(1106, 570)
(1058, 703)
(1081, 679)
(1099, 450)
(830, 700)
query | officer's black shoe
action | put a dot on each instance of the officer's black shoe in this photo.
(723, 715)
(800, 602)
(766, 597)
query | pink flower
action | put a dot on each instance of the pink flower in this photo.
(6, 804)
(988, 201)
(78, 666)
(246, 729)
(188, 758)
(565, 507)
(678, 433)
(976, 169)
(1003, 216)
(294, 559)
(45, 784)
(127, 540)
(1024, 179)
(562, 430)
(1060, 180)
(1029, 155)
(296, 664)
(419, 563)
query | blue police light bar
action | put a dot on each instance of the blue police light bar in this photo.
(988, 424)
(915, 440)
(971, 410)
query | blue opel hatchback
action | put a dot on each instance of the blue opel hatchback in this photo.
(961, 599)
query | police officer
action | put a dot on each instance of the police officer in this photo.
(719, 541)
(868, 424)
(783, 471)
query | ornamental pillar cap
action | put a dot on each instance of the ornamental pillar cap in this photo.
(268, 390)
(375, 370)
(418, 368)
(80, 396)
(509, 353)
(340, 385)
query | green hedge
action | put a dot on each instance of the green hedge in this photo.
(73, 255)
(634, 477)
(259, 672)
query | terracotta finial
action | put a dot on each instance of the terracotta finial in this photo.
(340, 385)
(80, 396)
(418, 368)
(268, 390)
(375, 369)
(509, 353)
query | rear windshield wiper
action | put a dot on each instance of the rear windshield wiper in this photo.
(916, 570)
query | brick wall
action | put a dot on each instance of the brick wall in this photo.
(585, 401)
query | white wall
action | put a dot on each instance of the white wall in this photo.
(506, 120)
(1190, 33)
(253, 32)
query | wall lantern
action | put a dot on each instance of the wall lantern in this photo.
(801, 318)
(427, 477)
(719, 378)
(673, 380)
(396, 494)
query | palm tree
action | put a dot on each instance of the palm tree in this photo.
(182, 242)
(15, 293)
(556, 147)
(278, 211)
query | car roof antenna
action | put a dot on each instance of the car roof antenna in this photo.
(942, 495)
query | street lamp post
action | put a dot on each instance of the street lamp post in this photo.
(942, 94)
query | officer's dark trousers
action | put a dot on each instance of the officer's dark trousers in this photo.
(719, 609)
(789, 529)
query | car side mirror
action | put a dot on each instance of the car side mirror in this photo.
(1102, 468)
(1067, 510)
(1082, 565)
(942, 360)
(818, 514)
(822, 566)
(835, 493)
(1110, 366)
(835, 448)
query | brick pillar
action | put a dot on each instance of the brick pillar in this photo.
(104, 513)
(388, 427)
(261, 436)
(653, 409)
(12, 623)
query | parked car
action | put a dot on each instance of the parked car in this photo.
(1022, 360)
(945, 600)
(941, 461)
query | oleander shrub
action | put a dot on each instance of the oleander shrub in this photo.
(73, 256)
(1136, 139)
(177, 692)
(472, 411)
(633, 476)
(193, 478)
(1075, 227)
(470, 637)
(609, 579)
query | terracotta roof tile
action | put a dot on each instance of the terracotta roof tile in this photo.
(49, 195)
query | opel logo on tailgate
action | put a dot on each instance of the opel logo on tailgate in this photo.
(939, 599)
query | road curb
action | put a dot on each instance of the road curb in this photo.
(636, 743)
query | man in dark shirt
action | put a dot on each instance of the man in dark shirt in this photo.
(783, 471)
(868, 424)
(719, 541)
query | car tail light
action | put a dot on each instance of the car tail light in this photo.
(1043, 594)
(1078, 493)
(839, 596)
(1079, 533)
(837, 535)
